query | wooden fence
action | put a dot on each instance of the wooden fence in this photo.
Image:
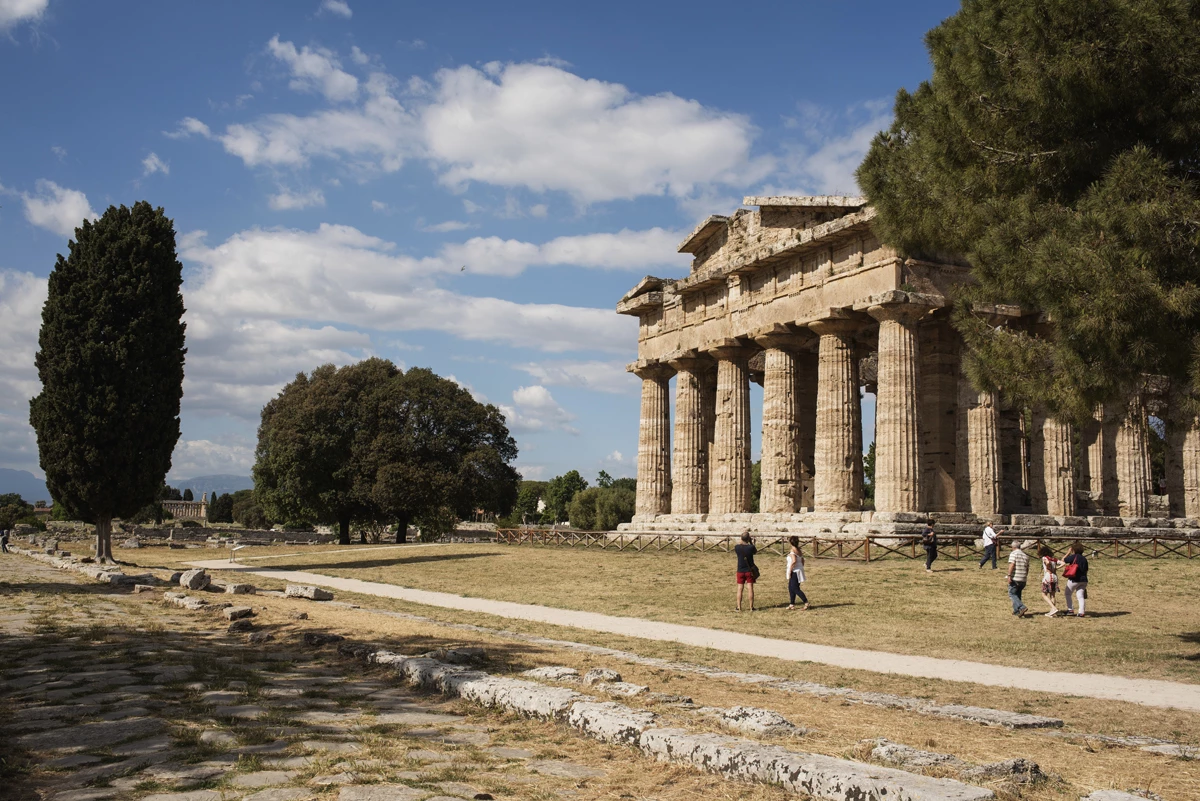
(866, 549)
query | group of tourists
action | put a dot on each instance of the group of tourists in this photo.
(1074, 568)
(748, 572)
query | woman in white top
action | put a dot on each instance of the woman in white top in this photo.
(795, 573)
(1049, 579)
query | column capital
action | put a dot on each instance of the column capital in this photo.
(729, 350)
(689, 361)
(654, 371)
(834, 325)
(903, 313)
(780, 337)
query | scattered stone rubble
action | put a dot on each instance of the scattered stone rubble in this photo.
(1018, 771)
(308, 591)
(753, 720)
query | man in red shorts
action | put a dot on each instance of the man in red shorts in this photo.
(746, 571)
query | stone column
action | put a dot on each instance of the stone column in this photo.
(1183, 457)
(780, 426)
(897, 415)
(1091, 452)
(1190, 459)
(981, 490)
(654, 441)
(689, 479)
(1052, 486)
(806, 367)
(838, 483)
(729, 484)
(1133, 462)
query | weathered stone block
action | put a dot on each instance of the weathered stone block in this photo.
(596, 675)
(610, 722)
(1100, 521)
(196, 579)
(553, 673)
(753, 720)
(245, 624)
(240, 589)
(308, 591)
(1034, 520)
(238, 612)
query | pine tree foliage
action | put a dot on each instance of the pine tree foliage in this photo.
(110, 359)
(1056, 150)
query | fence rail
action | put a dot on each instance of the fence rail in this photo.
(865, 549)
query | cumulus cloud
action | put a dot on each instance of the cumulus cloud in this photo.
(599, 376)
(339, 275)
(623, 250)
(57, 208)
(534, 409)
(337, 7)
(541, 127)
(200, 457)
(22, 296)
(315, 70)
(445, 227)
(535, 126)
(287, 201)
(14, 12)
(152, 164)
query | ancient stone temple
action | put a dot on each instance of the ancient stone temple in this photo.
(801, 297)
(187, 510)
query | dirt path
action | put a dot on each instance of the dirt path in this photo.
(1148, 692)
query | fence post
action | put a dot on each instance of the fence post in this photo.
(867, 549)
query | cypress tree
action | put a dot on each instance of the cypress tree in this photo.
(1056, 149)
(110, 358)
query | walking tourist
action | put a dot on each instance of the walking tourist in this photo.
(929, 539)
(1049, 579)
(795, 574)
(1018, 574)
(1076, 574)
(4, 541)
(747, 571)
(989, 545)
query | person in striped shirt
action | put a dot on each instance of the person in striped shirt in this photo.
(1018, 574)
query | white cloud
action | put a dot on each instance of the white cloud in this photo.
(201, 457)
(315, 69)
(152, 164)
(830, 147)
(21, 298)
(599, 376)
(14, 12)
(358, 56)
(338, 7)
(378, 205)
(539, 210)
(623, 250)
(339, 275)
(533, 125)
(189, 126)
(532, 472)
(288, 201)
(540, 127)
(534, 409)
(56, 208)
(60, 152)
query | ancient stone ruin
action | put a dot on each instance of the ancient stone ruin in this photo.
(801, 297)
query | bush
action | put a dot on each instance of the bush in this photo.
(298, 525)
(190, 524)
(602, 508)
(436, 523)
(253, 516)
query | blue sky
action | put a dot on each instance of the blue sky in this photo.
(332, 167)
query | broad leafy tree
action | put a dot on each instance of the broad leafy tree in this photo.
(1056, 150)
(110, 359)
(560, 491)
(439, 454)
(221, 509)
(311, 443)
(602, 508)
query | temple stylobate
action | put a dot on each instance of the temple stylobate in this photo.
(799, 295)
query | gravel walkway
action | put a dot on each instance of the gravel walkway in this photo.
(1148, 692)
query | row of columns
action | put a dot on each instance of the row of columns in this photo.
(812, 435)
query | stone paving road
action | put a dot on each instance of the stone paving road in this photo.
(104, 701)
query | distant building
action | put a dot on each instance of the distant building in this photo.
(187, 510)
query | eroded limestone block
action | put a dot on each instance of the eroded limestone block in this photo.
(753, 720)
(1117, 795)
(238, 612)
(523, 697)
(1016, 771)
(622, 689)
(460, 655)
(240, 589)
(610, 722)
(596, 675)
(245, 624)
(196, 579)
(553, 673)
(907, 757)
(308, 591)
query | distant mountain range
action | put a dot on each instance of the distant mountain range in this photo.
(25, 484)
(219, 484)
(33, 489)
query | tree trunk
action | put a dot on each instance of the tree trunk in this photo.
(402, 527)
(344, 530)
(104, 540)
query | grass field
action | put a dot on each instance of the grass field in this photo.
(1144, 614)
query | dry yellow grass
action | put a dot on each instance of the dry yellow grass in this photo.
(838, 728)
(1145, 614)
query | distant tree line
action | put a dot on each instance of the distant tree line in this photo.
(568, 498)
